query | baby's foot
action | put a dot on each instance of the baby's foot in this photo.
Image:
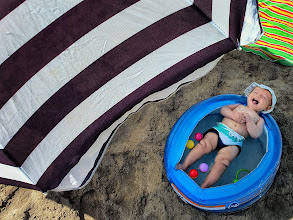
(179, 166)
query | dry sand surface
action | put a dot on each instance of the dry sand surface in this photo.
(131, 182)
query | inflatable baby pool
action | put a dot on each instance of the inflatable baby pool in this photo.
(260, 157)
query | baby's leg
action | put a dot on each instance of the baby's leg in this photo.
(205, 146)
(222, 161)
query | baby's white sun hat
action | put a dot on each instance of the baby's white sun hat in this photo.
(250, 88)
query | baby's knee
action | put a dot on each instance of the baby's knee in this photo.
(221, 159)
(205, 146)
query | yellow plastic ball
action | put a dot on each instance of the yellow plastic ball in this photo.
(190, 144)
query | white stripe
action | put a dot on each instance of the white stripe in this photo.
(28, 19)
(107, 96)
(76, 58)
(78, 173)
(14, 173)
(221, 14)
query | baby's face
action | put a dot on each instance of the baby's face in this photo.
(259, 99)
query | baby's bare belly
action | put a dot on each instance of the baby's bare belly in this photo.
(239, 128)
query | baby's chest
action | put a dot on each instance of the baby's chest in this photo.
(253, 115)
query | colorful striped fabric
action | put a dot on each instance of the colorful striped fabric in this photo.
(72, 71)
(276, 44)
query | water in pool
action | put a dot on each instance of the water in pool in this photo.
(252, 152)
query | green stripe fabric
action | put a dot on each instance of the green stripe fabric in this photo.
(276, 44)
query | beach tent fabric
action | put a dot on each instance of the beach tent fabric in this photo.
(72, 71)
(276, 44)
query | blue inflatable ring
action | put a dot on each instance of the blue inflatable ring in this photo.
(229, 197)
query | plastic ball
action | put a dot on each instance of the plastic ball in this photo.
(198, 136)
(190, 144)
(203, 167)
(193, 173)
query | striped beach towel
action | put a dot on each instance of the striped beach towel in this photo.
(276, 44)
(72, 71)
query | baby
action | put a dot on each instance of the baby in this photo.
(227, 137)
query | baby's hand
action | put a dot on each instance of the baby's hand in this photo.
(239, 117)
(247, 117)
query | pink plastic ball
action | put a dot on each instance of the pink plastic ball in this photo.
(203, 167)
(198, 136)
(193, 173)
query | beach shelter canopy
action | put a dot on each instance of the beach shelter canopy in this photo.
(72, 71)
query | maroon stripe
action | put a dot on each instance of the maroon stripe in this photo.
(184, 68)
(205, 6)
(96, 75)
(4, 159)
(54, 39)
(237, 14)
(18, 184)
(62, 165)
(71, 155)
(6, 6)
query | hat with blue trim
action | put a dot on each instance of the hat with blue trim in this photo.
(250, 88)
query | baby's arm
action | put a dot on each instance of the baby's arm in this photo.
(227, 111)
(254, 130)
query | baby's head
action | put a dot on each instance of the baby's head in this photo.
(261, 98)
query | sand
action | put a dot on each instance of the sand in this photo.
(131, 182)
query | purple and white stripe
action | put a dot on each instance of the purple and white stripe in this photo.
(70, 73)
